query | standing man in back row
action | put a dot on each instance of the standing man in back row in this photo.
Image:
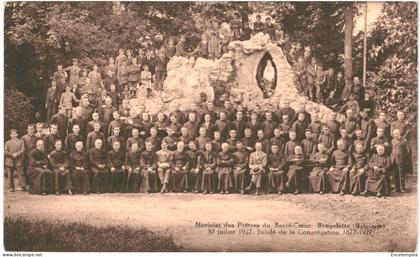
(258, 25)
(60, 76)
(269, 28)
(300, 75)
(74, 72)
(52, 99)
(14, 151)
(320, 78)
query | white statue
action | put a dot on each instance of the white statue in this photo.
(269, 72)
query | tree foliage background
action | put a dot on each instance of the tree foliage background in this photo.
(393, 58)
(40, 35)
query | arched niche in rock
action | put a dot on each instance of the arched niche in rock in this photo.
(266, 75)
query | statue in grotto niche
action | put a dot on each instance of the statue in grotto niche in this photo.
(267, 75)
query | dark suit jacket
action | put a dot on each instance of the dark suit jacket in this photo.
(52, 96)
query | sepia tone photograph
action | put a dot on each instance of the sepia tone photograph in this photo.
(209, 127)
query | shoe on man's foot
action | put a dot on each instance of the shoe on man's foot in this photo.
(342, 193)
(248, 188)
(296, 192)
(321, 192)
(70, 192)
(57, 193)
(378, 195)
(164, 190)
(11, 189)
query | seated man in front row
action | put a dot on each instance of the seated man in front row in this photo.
(181, 168)
(208, 165)
(60, 166)
(276, 167)
(79, 166)
(224, 163)
(296, 164)
(40, 177)
(338, 172)
(100, 175)
(240, 168)
(257, 164)
(317, 176)
(164, 164)
(115, 163)
(378, 174)
(148, 164)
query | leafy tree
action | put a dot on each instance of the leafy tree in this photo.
(39, 35)
(319, 25)
(18, 111)
(393, 58)
(187, 18)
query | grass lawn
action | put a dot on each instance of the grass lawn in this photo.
(45, 236)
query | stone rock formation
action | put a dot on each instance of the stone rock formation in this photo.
(249, 54)
(236, 71)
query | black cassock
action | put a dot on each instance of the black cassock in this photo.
(40, 177)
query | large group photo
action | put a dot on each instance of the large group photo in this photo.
(188, 112)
